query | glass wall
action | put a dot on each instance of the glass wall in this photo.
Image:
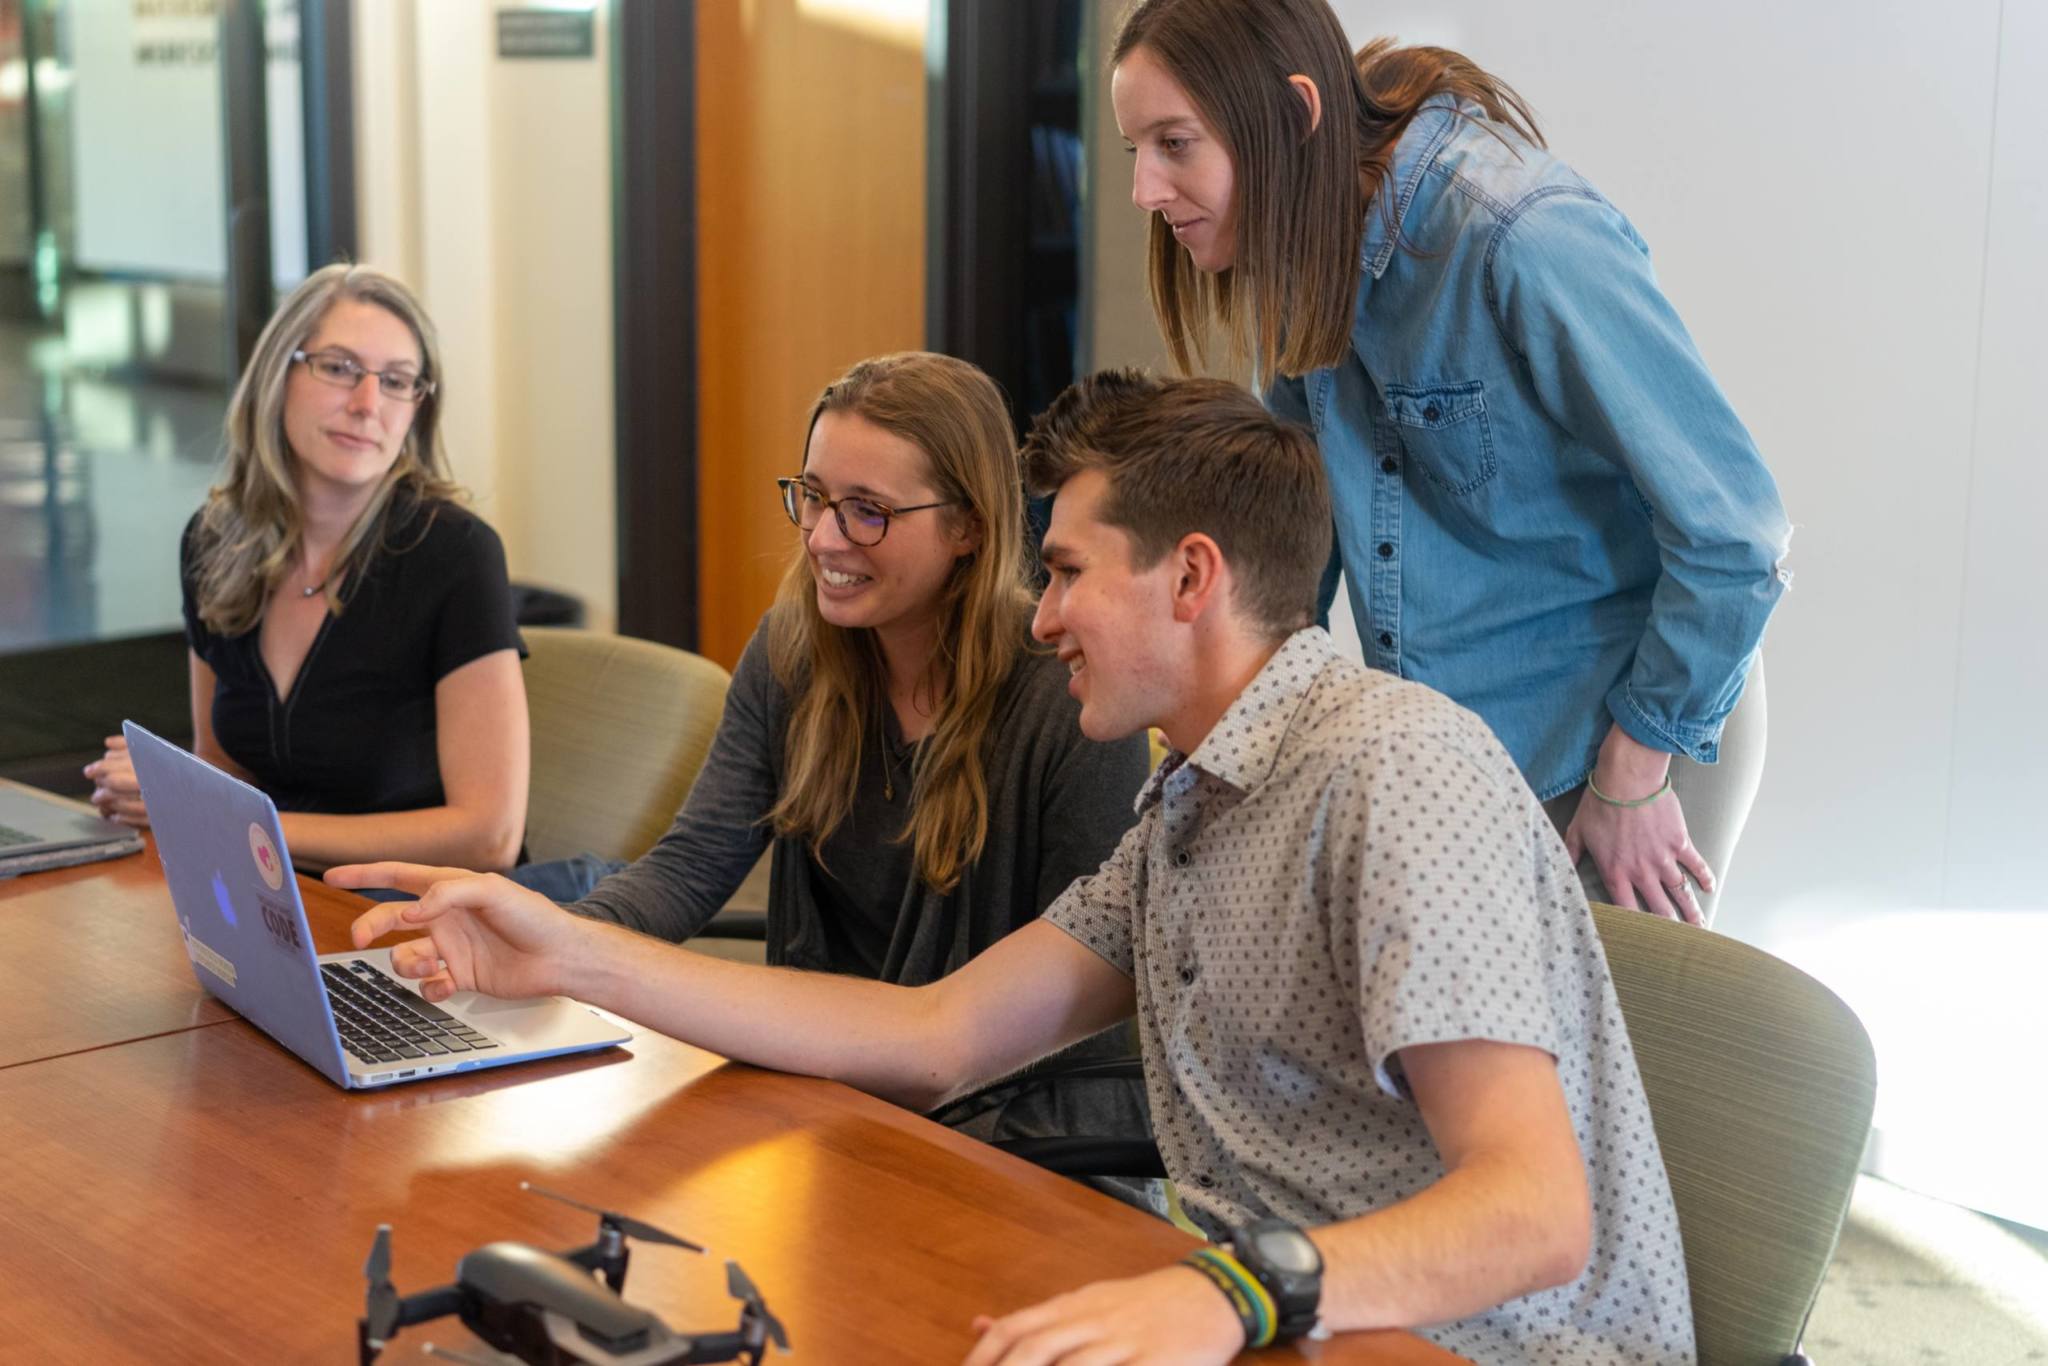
(116, 357)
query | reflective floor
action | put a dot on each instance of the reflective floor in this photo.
(98, 475)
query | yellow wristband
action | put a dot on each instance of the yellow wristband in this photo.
(1254, 1305)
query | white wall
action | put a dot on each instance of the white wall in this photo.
(486, 184)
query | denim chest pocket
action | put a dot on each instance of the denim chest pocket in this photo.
(1443, 429)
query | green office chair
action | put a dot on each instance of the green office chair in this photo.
(1761, 1083)
(620, 728)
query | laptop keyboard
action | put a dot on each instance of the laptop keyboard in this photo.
(380, 1021)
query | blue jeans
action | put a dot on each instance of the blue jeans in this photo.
(566, 879)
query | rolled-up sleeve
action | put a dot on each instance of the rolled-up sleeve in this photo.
(1574, 295)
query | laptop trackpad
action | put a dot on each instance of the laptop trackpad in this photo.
(543, 1022)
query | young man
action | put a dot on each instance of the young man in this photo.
(1385, 1060)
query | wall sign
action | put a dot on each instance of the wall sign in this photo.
(524, 33)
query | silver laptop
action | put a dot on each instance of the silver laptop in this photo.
(42, 830)
(346, 1014)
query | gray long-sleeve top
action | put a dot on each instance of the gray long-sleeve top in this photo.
(1057, 805)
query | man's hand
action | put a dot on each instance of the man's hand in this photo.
(1173, 1315)
(116, 792)
(484, 932)
(1643, 852)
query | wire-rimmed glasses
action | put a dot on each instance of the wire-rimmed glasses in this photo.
(863, 521)
(344, 371)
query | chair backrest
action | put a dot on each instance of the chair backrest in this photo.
(1760, 1083)
(620, 728)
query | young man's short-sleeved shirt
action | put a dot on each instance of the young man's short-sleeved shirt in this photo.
(1349, 865)
(357, 730)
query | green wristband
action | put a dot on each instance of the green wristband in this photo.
(1594, 788)
(1256, 1312)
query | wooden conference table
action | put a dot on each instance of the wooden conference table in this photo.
(175, 1187)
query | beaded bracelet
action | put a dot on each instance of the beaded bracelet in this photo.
(1256, 1311)
(1593, 788)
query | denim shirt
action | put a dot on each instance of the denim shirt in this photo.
(1545, 506)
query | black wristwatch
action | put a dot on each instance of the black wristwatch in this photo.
(1286, 1262)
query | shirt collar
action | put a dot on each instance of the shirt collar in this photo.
(1426, 133)
(1244, 744)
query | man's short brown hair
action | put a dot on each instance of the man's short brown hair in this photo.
(1188, 455)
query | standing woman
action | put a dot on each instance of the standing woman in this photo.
(351, 633)
(1545, 506)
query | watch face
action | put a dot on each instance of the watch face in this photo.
(1287, 1250)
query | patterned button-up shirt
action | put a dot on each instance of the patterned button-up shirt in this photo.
(1346, 866)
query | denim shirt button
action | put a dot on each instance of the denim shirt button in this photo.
(1386, 550)
(1386, 640)
(1388, 465)
(1432, 413)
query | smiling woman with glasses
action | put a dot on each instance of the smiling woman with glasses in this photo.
(353, 651)
(915, 763)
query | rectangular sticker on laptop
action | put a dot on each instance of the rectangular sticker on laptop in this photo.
(205, 957)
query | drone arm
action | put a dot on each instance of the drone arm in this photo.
(590, 1258)
(596, 1260)
(438, 1303)
(716, 1347)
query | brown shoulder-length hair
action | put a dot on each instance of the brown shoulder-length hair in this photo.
(1302, 194)
(251, 527)
(836, 678)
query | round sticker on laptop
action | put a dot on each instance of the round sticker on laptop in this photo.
(265, 854)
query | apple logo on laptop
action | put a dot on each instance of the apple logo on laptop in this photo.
(220, 895)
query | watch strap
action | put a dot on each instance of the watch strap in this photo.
(1256, 1311)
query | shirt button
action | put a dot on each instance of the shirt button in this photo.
(1387, 639)
(1389, 465)
(1432, 413)
(1187, 977)
(1205, 1181)
(1386, 550)
(1180, 858)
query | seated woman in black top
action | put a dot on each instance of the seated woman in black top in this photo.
(353, 651)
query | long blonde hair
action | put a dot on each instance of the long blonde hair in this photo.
(252, 525)
(835, 676)
(1303, 193)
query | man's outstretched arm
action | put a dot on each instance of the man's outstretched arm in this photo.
(1036, 991)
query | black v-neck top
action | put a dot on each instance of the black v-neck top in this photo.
(356, 734)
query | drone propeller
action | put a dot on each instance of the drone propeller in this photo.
(632, 1228)
(380, 1306)
(741, 1288)
(495, 1359)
